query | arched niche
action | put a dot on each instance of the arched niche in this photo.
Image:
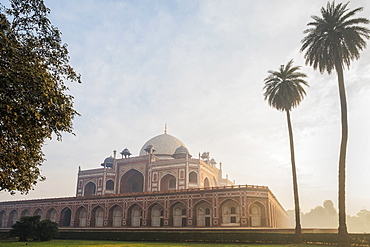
(156, 215)
(115, 216)
(65, 217)
(178, 214)
(97, 217)
(81, 217)
(168, 182)
(193, 178)
(90, 189)
(132, 182)
(203, 214)
(230, 213)
(51, 215)
(257, 214)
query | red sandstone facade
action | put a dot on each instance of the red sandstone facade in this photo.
(162, 187)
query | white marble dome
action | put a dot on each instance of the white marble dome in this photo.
(163, 144)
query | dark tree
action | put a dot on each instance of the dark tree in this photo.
(47, 230)
(34, 65)
(332, 42)
(30, 227)
(26, 228)
(284, 91)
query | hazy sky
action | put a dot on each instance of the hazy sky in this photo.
(199, 67)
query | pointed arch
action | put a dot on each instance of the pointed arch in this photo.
(178, 214)
(25, 212)
(206, 182)
(90, 189)
(109, 185)
(97, 217)
(132, 182)
(39, 212)
(168, 182)
(193, 177)
(230, 213)
(257, 214)
(203, 213)
(65, 217)
(12, 217)
(156, 215)
(115, 216)
(135, 215)
(81, 217)
(51, 215)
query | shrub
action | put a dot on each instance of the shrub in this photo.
(32, 227)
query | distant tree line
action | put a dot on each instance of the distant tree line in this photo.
(325, 216)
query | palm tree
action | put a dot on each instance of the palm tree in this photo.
(332, 42)
(284, 91)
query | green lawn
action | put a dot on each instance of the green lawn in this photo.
(90, 243)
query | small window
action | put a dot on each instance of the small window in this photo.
(233, 211)
(233, 219)
(109, 185)
(193, 177)
(183, 212)
(208, 211)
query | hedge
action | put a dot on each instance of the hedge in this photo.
(211, 236)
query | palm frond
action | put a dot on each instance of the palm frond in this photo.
(284, 87)
(334, 36)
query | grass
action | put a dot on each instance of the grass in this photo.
(91, 243)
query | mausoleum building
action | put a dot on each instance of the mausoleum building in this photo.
(164, 186)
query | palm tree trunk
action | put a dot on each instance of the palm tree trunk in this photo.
(298, 231)
(343, 240)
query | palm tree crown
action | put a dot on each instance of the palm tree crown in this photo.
(283, 88)
(334, 37)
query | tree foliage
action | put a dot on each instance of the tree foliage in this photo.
(30, 227)
(283, 87)
(34, 65)
(284, 91)
(333, 40)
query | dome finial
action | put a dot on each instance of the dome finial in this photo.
(165, 128)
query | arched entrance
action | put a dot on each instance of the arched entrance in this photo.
(12, 218)
(25, 212)
(178, 214)
(51, 215)
(81, 217)
(90, 189)
(65, 217)
(97, 217)
(132, 182)
(115, 216)
(156, 215)
(203, 214)
(206, 183)
(230, 213)
(168, 182)
(256, 211)
(38, 212)
(135, 214)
